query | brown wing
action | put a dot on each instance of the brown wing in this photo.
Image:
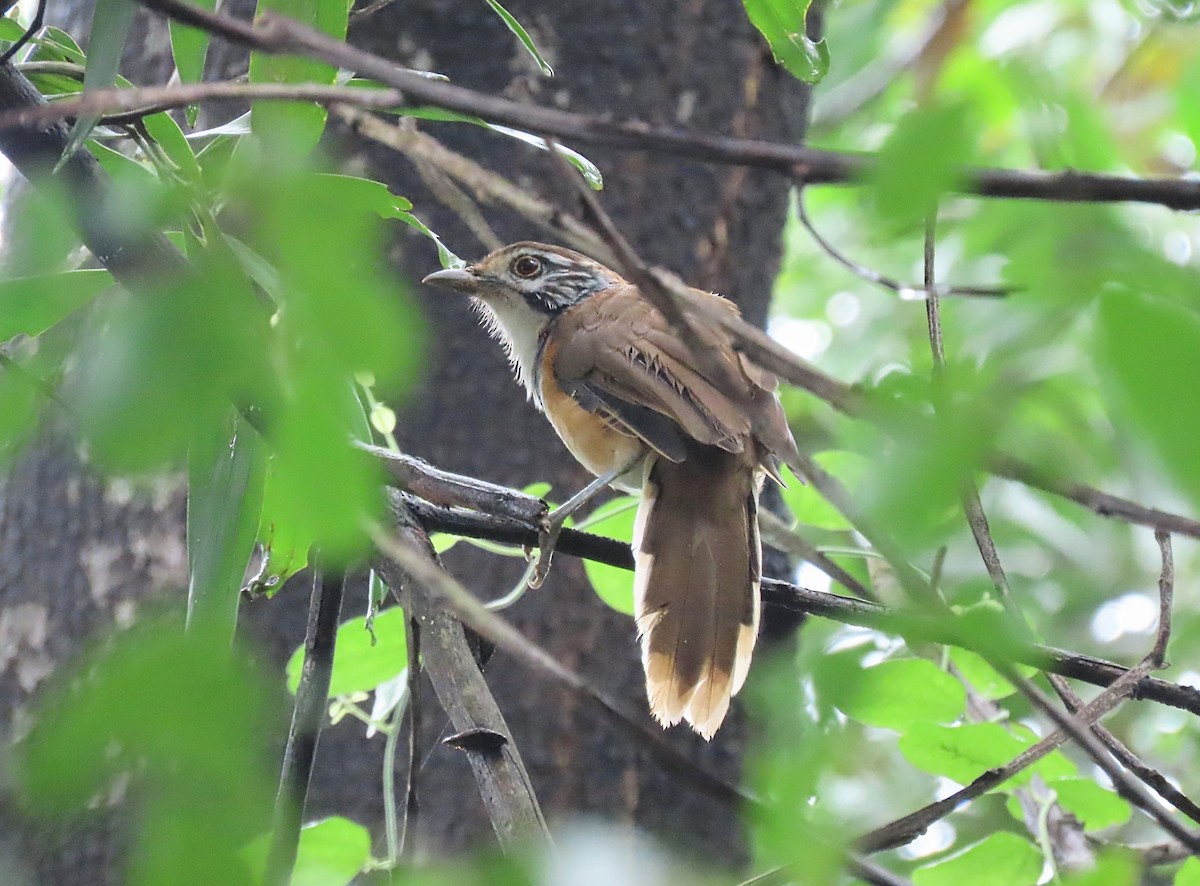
(619, 358)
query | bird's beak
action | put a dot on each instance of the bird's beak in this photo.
(461, 279)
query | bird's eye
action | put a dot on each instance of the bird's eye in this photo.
(527, 266)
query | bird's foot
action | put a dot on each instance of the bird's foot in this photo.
(550, 527)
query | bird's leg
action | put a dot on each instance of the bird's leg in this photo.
(552, 523)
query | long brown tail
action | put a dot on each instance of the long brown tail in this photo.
(698, 568)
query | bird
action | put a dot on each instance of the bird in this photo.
(694, 436)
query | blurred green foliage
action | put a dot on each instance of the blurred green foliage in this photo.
(1088, 370)
(179, 718)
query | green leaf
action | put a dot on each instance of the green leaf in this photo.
(897, 693)
(366, 195)
(446, 258)
(521, 34)
(1152, 351)
(225, 491)
(190, 47)
(443, 541)
(184, 719)
(428, 112)
(111, 21)
(292, 129)
(984, 678)
(360, 662)
(612, 585)
(1189, 873)
(1187, 108)
(1096, 807)
(331, 852)
(965, 752)
(921, 160)
(782, 23)
(1002, 859)
(914, 487)
(589, 170)
(1114, 867)
(128, 171)
(31, 305)
(166, 132)
(56, 44)
(11, 30)
(321, 488)
(809, 506)
(155, 367)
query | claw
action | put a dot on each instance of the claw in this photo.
(548, 534)
(551, 524)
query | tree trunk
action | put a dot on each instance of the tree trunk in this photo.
(697, 64)
(694, 63)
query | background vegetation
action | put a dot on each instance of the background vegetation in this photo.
(265, 330)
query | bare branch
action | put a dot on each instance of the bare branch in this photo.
(872, 276)
(272, 33)
(905, 830)
(1102, 503)
(487, 185)
(439, 487)
(1157, 658)
(503, 782)
(1126, 784)
(848, 610)
(778, 535)
(405, 558)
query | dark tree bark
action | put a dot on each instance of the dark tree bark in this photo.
(694, 62)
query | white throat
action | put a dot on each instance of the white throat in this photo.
(516, 326)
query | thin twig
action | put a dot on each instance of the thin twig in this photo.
(145, 100)
(312, 697)
(1166, 595)
(891, 283)
(1102, 503)
(412, 802)
(1126, 784)
(1154, 659)
(272, 33)
(909, 827)
(777, 534)
(487, 185)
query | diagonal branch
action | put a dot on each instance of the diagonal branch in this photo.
(504, 784)
(1126, 784)
(404, 558)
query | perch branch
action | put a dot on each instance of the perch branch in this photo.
(847, 610)
(405, 558)
(499, 771)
